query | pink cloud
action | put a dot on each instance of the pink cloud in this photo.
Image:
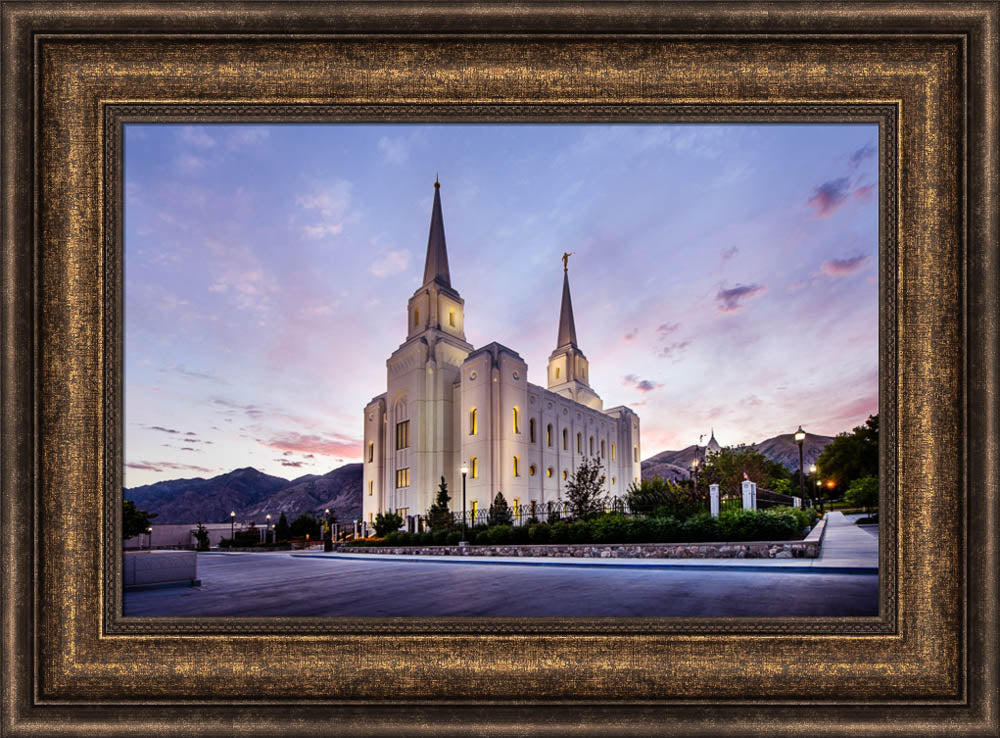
(643, 385)
(316, 445)
(843, 267)
(732, 300)
(159, 466)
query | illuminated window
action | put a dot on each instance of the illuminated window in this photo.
(402, 478)
(531, 470)
(451, 318)
(371, 487)
(416, 317)
(475, 509)
(612, 450)
(517, 466)
(475, 467)
(533, 508)
(517, 506)
(565, 439)
(402, 434)
(612, 480)
(371, 518)
(602, 448)
(579, 443)
(558, 371)
(531, 430)
(565, 474)
(371, 451)
(517, 426)
(548, 472)
(473, 422)
(548, 436)
(591, 445)
(635, 452)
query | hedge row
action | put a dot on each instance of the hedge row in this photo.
(774, 524)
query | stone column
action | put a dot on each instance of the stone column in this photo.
(749, 495)
(713, 498)
(797, 501)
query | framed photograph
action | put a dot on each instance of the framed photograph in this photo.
(688, 415)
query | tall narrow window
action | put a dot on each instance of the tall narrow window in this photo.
(517, 465)
(517, 507)
(402, 478)
(517, 426)
(402, 434)
(548, 472)
(451, 318)
(635, 452)
(475, 467)
(591, 446)
(371, 451)
(602, 448)
(579, 443)
(475, 509)
(558, 372)
(531, 470)
(565, 474)
(416, 317)
(612, 450)
(565, 440)
(531, 430)
(548, 436)
(371, 487)
(473, 422)
(534, 508)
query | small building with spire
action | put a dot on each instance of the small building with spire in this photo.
(449, 405)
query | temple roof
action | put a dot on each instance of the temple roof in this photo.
(567, 327)
(436, 265)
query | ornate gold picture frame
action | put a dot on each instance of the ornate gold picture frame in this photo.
(73, 75)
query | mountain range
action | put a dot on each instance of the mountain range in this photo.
(253, 494)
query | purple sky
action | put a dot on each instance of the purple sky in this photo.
(725, 275)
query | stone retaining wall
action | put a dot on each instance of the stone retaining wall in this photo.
(806, 549)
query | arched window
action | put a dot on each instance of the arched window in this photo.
(371, 451)
(473, 422)
(548, 435)
(548, 472)
(602, 448)
(517, 467)
(579, 443)
(531, 470)
(565, 440)
(612, 480)
(635, 452)
(531, 430)
(474, 466)
(371, 487)
(565, 474)
(517, 425)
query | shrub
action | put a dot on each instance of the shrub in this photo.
(660, 497)
(499, 513)
(559, 532)
(454, 538)
(440, 537)
(521, 534)
(612, 528)
(538, 533)
(703, 528)
(579, 532)
(585, 489)
(385, 523)
(500, 534)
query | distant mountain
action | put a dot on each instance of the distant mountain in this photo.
(252, 495)
(782, 449)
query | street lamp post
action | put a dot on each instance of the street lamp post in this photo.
(328, 541)
(465, 470)
(267, 531)
(694, 474)
(819, 494)
(149, 538)
(800, 436)
(232, 528)
(812, 472)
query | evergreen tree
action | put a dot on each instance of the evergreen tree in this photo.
(282, 530)
(439, 517)
(585, 489)
(386, 523)
(201, 536)
(499, 513)
(134, 520)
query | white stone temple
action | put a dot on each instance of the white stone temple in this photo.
(449, 405)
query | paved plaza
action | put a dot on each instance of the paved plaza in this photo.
(842, 582)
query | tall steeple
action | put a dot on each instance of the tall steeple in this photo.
(568, 367)
(436, 265)
(567, 326)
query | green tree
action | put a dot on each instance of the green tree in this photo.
(134, 520)
(282, 530)
(439, 517)
(201, 537)
(585, 489)
(727, 466)
(499, 513)
(305, 524)
(850, 456)
(386, 523)
(863, 492)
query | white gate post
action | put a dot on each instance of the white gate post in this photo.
(713, 497)
(749, 495)
(797, 501)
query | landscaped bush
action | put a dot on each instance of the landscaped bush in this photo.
(538, 533)
(500, 535)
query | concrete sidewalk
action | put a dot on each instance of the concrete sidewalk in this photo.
(845, 550)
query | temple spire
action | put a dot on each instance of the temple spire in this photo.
(567, 327)
(436, 265)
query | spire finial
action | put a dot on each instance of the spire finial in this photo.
(436, 183)
(565, 258)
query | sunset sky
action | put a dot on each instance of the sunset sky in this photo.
(725, 275)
